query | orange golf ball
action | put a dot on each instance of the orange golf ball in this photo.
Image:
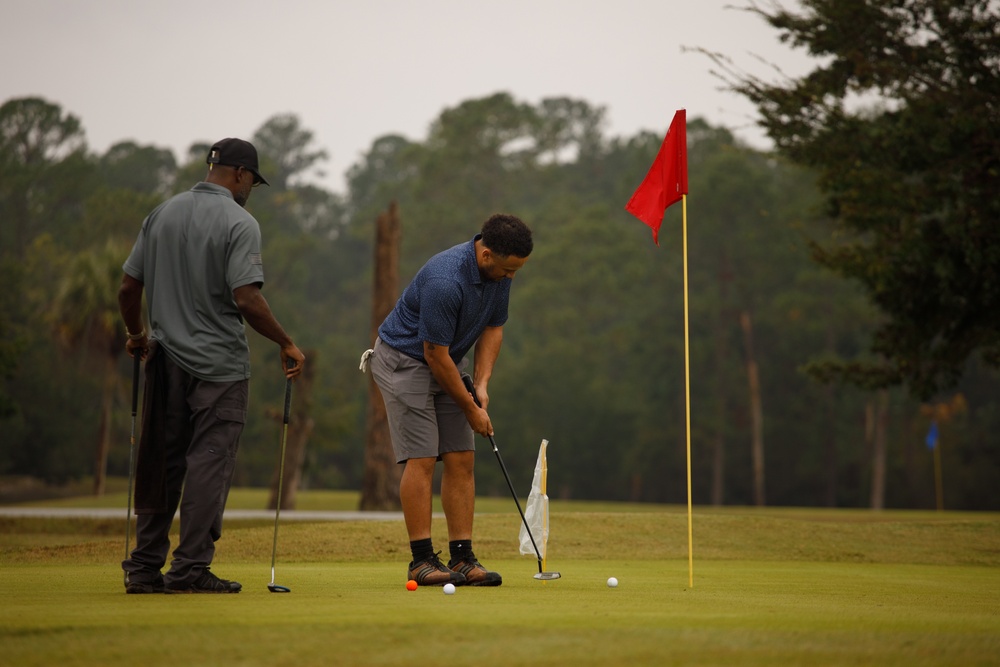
(411, 585)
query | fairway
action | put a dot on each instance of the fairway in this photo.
(772, 587)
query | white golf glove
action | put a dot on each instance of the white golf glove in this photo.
(365, 361)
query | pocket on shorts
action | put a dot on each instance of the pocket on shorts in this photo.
(412, 387)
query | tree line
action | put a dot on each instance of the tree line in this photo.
(593, 354)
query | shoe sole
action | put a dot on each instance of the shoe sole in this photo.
(140, 587)
(498, 582)
(184, 591)
(491, 578)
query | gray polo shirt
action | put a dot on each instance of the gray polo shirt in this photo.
(192, 252)
(446, 303)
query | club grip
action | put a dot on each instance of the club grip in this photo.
(467, 381)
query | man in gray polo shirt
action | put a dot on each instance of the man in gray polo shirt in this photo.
(198, 259)
(457, 301)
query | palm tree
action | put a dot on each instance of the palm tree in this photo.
(87, 322)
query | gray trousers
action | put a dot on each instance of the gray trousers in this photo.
(203, 424)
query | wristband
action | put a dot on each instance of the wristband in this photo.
(138, 336)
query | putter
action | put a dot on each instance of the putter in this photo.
(136, 361)
(273, 587)
(544, 576)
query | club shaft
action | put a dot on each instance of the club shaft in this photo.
(281, 472)
(467, 381)
(496, 451)
(277, 505)
(136, 362)
(281, 479)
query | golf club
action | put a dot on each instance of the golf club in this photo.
(541, 575)
(273, 587)
(136, 361)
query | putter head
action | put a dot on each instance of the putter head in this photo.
(548, 576)
(275, 588)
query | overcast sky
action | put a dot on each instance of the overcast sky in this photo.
(176, 72)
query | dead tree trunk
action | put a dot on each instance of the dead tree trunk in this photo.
(380, 484)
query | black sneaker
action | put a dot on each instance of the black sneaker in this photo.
(474, 572)
(432, 572)
(134, 587)
(207, 583)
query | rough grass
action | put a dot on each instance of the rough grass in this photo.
(772, 586)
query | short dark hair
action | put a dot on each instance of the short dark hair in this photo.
(507, 235)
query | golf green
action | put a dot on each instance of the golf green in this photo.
(771, 587)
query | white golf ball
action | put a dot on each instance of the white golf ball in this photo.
(449, 589)
(612, 582)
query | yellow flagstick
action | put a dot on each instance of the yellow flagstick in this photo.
(687, 389)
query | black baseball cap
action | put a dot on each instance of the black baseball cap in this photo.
(236, 153)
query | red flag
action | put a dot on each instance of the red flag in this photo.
(667, 180)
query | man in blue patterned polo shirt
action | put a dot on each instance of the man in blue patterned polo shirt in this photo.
(456, 303)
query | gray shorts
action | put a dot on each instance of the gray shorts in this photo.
(424, 420)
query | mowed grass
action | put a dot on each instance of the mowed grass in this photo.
(771, 587)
